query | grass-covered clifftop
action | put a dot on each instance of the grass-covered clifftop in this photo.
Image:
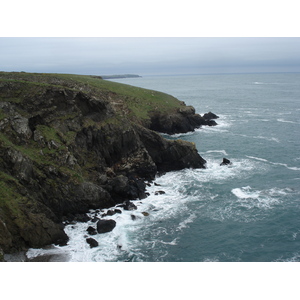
(137, 103)
(69, 143)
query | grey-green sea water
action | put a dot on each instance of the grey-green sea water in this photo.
(249, 211)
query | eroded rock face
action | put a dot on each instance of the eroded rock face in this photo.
(66, 151)
(183, 120)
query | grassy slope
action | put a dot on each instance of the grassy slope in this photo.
(139, 102)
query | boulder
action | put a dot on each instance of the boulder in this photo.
(91, 230)
(128, 205)
(210, 116)
(93, 243)
(104, 226)
(225, 162)
(159, 193)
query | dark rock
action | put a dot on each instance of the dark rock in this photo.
(159, 193)
(157, 184)
(145, 213)
(110, 212)
(95, 219)
(82, 218)
(128, 205)
(133, 217)
(93, 243)
(210, 116)
(225, 162)
(105, 225)
(91, 230)
(91, 164)
(170, 154)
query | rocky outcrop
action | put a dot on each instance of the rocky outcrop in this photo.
(225, 162)
(183, 120)
(67, 146)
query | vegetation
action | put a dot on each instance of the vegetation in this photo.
(139, 101)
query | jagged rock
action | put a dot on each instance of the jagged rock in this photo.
(82, 218)
(91, 230)
(68, 147)
(225, 162)
(92, 242)
(210, 116)
(104, 226)
(95, 219)
(21, 126)
(128, 205)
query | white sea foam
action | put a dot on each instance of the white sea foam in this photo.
(262, 199)
(184, 223)
(294, 258)
(217, 151)
(257, 158)
(271, 139)
(272, 163)
(286, 121)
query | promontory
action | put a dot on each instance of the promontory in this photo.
(70, 143)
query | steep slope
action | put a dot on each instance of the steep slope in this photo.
(70, 143)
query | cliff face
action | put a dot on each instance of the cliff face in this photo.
(71, 143)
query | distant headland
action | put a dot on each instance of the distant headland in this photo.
(120, 76)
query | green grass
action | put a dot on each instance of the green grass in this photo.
(141, 102)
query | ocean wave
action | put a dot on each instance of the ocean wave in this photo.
(294, 258)
(273, 163)
(262, 199)
(184, 223)
(271, 139)
(286, 121)
(217, 151)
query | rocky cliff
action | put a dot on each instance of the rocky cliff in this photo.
(69, 143)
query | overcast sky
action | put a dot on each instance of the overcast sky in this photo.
(149, 56)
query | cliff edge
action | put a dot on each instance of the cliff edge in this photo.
(70, 143)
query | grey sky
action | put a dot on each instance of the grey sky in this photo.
(150, 56)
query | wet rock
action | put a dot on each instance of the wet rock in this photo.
(225, 162)
(82, 218)
(157, 184)
(133, 217)
(91, 230)
(93, 243)
(128, 205)
(145, 213)
(95, 219)
(105, 225)
(159, 193)
(210, 116)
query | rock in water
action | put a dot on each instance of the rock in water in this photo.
(91, 230)
(105, 225)
(210, 116)
(225, 162)
(93, 243)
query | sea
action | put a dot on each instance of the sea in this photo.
(248, 211)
